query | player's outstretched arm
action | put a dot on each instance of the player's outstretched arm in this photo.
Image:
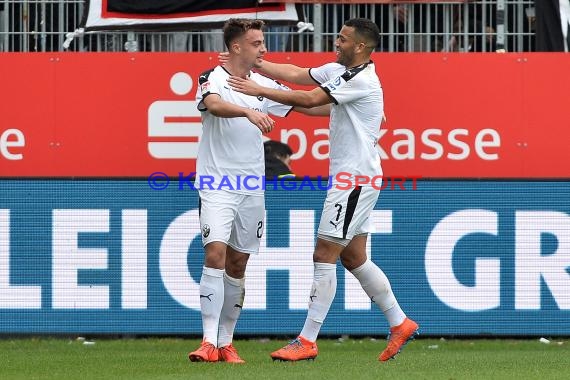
(286, 72)
(306, 99)
(324, 110)
(280, 71)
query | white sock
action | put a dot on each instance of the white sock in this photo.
(377, 287)
(395, 315)
(234, 293)
(211, 301)
(321, 298)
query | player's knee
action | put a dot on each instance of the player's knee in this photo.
(214, 261)
(235, 270)
(326, 252)
(351, 262)
(215, 255)
(236, 263)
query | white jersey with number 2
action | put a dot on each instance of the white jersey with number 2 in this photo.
(232, 147)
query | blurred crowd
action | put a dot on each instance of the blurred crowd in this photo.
(406, 27)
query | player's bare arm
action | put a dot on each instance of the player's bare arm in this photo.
(220, 108)
(280, 71)
(324, 110)
(307, 99)
(286, 72)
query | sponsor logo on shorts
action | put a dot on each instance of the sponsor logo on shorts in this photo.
(206, 231)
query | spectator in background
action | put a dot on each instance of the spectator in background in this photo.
(391, 28)
(403, 27)
(2, 28)
(480, 33)
(277, 159)
(211, 40)
(552, 25)
(277, 38)
(424, 25)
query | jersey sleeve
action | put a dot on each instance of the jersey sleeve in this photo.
(345, 88)
(323, 73)
(207, 85)
(273, 107)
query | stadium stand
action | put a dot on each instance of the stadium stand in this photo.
(42, 25)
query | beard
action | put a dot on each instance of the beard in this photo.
(344, 59)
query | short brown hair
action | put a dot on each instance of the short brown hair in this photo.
(237, 27)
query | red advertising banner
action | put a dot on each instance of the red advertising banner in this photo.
(129, 115)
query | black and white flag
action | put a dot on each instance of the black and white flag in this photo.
(100, 15)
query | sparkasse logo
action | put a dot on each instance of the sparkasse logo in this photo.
(174, 126)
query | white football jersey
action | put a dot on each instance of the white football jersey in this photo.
(356, 115)
(232, 148)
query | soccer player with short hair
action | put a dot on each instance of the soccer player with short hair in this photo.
(354, 89)
(231, 214)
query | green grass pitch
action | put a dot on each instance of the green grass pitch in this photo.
(166, 358)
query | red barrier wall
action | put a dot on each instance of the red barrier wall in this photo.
(449, 115)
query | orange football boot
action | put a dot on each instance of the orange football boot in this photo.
(207, 352)
(298, 349)
(229, 354)
(399, 336)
